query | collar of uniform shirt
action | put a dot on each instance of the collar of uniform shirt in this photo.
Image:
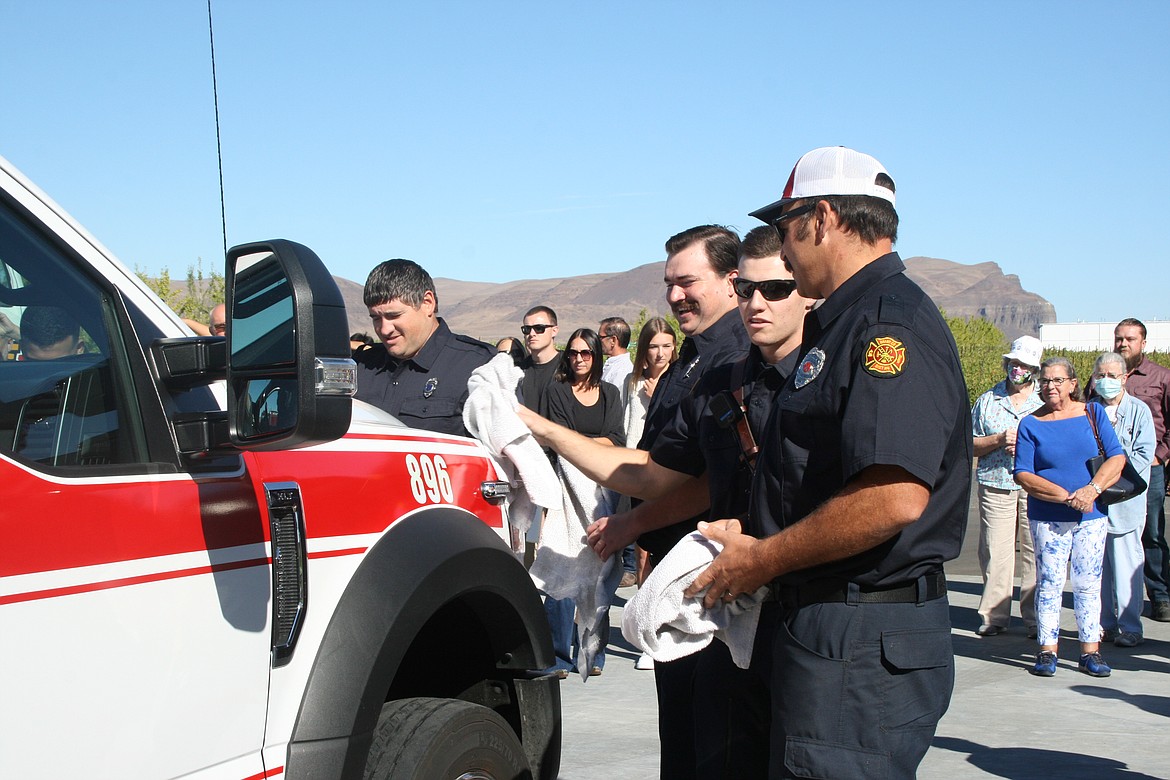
(426, 357)
(857, 285)
(728, 327)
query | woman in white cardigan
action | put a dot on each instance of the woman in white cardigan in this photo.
(656, 351)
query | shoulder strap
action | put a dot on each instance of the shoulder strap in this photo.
(738, 371)
(747, 442)
(1093, 425)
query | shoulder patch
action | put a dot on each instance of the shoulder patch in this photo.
(885, 357)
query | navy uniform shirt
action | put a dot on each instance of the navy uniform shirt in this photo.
(695, 442)
(725, 341)
(428, 390)
(878, 383)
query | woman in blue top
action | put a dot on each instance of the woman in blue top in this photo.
(1052, 446)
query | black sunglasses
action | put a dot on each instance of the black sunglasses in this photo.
(771, 289)
(526, 329)
(799, 211)
(581, 353)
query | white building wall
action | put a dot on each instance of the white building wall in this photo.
(1098, 336)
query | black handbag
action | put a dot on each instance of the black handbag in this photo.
(1128, 485)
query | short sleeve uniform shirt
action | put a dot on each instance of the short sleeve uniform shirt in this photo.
(695, 442)
(427, 391)
(724, 341)
(878, 383)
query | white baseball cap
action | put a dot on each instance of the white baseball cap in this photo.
(1026, 349)
(831, 170)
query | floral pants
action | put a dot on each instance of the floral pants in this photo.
(1058, 544)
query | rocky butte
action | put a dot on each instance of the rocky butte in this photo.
(491, 310)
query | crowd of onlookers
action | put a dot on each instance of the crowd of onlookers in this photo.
(1049, 443)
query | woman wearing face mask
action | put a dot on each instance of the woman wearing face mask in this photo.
(1003, 507)
(1121, 576)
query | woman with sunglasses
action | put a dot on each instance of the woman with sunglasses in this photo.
(580, 401)
(1052, 447)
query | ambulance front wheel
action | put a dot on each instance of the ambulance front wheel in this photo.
(423, 739)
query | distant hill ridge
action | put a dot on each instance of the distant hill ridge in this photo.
(492, 310)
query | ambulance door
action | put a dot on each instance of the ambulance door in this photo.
(134, 590)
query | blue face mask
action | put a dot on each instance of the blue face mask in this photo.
(1108, 388)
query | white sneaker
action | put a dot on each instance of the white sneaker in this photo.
(644, 662)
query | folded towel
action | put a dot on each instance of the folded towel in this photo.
(490, 416)
(567, 567)
(660, 621)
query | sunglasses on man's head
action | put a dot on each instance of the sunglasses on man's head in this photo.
(526, 329)
(771, 289)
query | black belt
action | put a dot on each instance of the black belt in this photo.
(934, 586)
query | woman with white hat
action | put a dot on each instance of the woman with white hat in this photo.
(1003, 507)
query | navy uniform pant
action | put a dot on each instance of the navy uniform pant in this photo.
(713, 717)
(857, 689)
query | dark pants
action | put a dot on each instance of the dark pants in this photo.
(858, 689)
(674, 682)
(1157, 566)
(713, 717)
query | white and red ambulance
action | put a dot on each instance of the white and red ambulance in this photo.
(250, 578)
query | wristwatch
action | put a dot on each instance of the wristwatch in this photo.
(1095, 486)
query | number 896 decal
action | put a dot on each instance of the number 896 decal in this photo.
(429, 481)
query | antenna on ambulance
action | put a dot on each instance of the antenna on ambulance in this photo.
(218, 142)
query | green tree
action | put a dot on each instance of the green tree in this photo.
(192, 300)
(981, 349)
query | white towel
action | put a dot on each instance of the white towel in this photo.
(567, 567)
(490, 416)
(661, 622)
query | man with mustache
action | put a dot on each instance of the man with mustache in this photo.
(700, 274)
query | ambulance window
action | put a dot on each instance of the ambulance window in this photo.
(65, 390)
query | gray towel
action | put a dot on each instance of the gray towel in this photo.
(567, 567)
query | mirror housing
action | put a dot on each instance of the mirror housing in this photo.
(290, 377)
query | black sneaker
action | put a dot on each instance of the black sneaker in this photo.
(1160, 611)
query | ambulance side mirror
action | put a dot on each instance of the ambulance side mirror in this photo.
(290, 378)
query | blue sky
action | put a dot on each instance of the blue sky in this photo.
(501, 141)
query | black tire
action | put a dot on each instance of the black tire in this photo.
(444, 739)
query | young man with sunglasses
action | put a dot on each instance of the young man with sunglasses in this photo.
(539, 329)
(860, 494)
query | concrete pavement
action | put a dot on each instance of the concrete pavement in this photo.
(1003, 722)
